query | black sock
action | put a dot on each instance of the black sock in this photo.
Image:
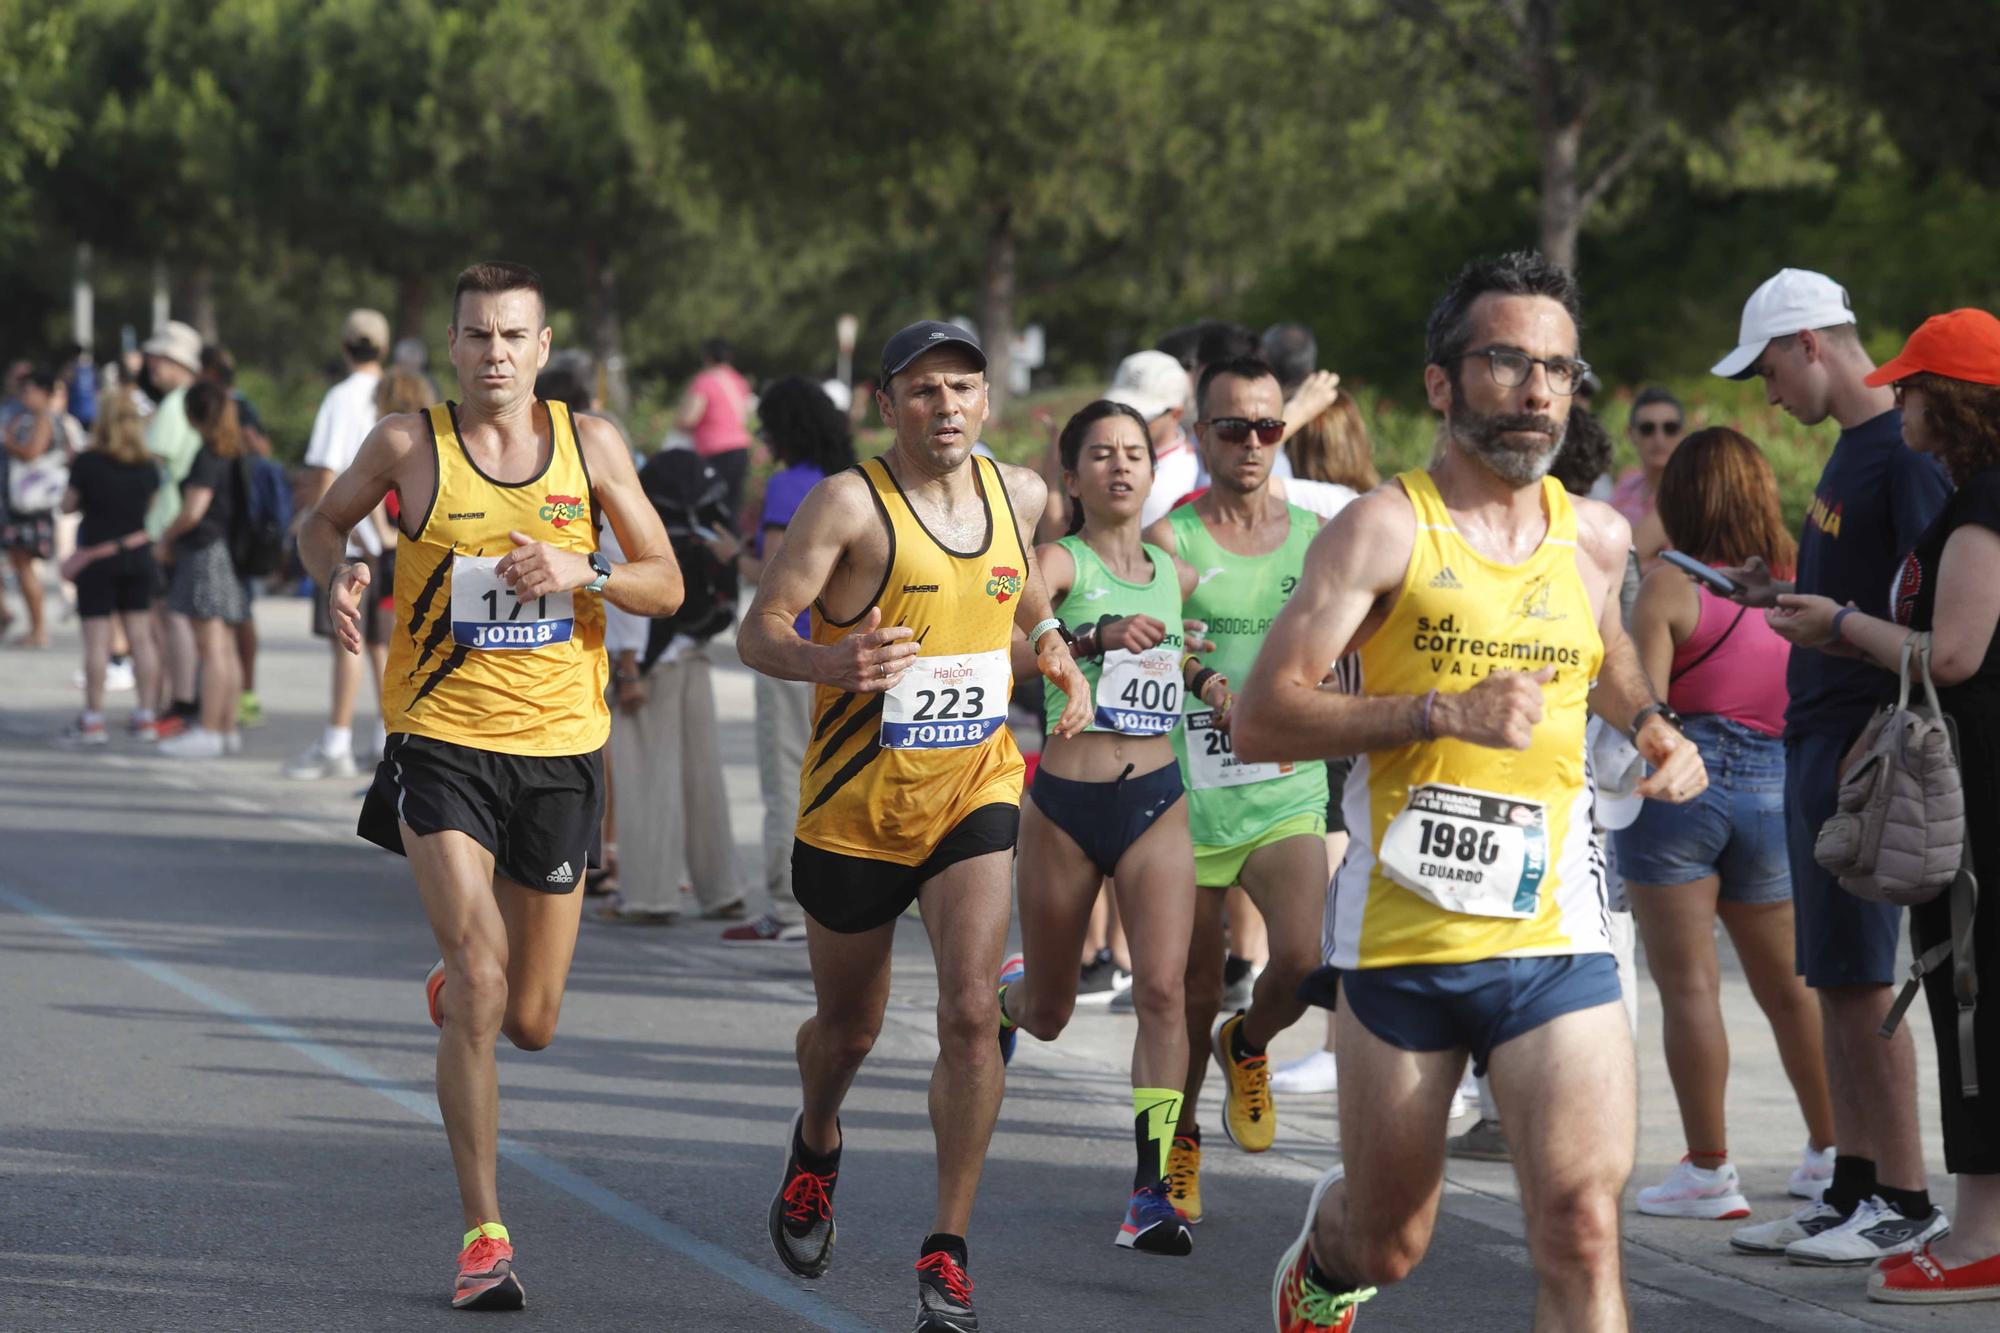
(1189, 1131)
(820, 1164)
(1234, 969)
(944, 1240)
(1853, 1181)
(1913, 1204)
(184, 708)
(1328, 1281)
(1239, 1045)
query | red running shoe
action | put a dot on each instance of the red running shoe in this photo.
(433, 986)
(1299, 1304)
(486, 1278)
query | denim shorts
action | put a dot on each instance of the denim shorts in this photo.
(1735, 830)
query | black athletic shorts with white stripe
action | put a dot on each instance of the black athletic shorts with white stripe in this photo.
(537, 816)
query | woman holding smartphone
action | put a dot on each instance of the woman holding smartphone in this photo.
(1109, 801)
(1721, 856)
(1947, 382)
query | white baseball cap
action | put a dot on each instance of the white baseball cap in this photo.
(1793, 300)
(1618, 768)
(1149, 383)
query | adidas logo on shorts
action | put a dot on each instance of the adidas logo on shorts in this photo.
(562, 874)
(1444, 578)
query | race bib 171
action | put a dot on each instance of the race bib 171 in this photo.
(485, 613)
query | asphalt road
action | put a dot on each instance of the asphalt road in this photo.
(216, 1108)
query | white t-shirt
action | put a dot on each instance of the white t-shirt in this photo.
(1325, 498)
(1174, 475)
(346, 415)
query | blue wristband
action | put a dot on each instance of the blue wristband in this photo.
(1838, 616)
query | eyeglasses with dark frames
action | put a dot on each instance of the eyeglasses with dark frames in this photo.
(1651, 428)
(1235, 430)
(1510, 368)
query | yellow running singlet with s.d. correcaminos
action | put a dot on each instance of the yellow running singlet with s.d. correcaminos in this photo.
(469, 663)
(887, 776)
(1461, 852)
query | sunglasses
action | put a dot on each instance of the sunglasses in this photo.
(1650, 428)
(1235, 430)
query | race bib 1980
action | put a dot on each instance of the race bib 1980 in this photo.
(1471, 852)
(1139, 694)
(1212, 763)
(485, 613)
(945, 703)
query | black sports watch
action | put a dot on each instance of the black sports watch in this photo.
(1660, 710)
(601, 564)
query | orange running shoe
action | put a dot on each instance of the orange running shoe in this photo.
(486, 1277)
(433, 984)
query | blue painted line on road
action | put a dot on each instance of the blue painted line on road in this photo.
(544, 1168)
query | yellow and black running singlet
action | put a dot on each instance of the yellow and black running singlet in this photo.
(468, 662)
(887, 776)
(1462, 852)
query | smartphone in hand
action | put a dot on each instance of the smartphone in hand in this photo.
(1712, 579)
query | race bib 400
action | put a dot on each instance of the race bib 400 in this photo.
(945, 703)
(486, 614)
(1139, 694)
(1471, 852)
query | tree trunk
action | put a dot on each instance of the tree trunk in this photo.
(1562, 193)
(201, 303)
(413, 299)
(607, 339)
(996, 312)
(83, 305)
(1559, 118)
(163, 299)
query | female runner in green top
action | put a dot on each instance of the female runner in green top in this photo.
(1109, 801)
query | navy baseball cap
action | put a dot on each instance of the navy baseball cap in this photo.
(906, 345)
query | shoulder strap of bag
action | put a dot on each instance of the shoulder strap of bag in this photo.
(1710, 650)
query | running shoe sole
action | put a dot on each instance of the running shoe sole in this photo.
(1733, 1207)
(1177, 1243)
(505, 1294)
(807, 1271)
(433, 983)
(1326, 1182)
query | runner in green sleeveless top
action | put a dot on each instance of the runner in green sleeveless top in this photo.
(1258, 825)
(1108, 802)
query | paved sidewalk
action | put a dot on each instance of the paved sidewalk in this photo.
(217, 1111)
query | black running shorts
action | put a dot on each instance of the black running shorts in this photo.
(852, 894)
(537, 816)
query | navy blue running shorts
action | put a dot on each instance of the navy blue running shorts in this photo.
(1476, 1006)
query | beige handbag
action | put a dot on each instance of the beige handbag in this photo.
(1898, 836)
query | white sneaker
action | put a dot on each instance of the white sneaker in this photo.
(1691, 1191)
(1465, 1096)
(316, 763)
(1776, 1236)
(1313, 1073)
(194, 743)
(1875, 1231)
(1814, 1173)
(232, 742)
(118, 677)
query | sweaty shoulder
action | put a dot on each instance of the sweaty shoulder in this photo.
(599, 437)
(836, 507)
(1025, 488)
(1370, 540)
(1602, 534)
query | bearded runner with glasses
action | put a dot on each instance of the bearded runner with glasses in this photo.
(1470, 914)
(1259, 825)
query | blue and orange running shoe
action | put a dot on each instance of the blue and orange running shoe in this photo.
(486, 1277)
(1153, 1225)
(1010, 971)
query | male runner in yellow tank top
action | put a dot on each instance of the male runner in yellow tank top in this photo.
(1469, 915)
(492, 780)
(918, 569)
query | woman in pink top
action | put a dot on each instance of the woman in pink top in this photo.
(716, 411)
(1723, 669)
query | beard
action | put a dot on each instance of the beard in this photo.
(1484, 437)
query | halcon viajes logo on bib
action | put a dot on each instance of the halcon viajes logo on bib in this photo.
(562, 510)
(1004, 584)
